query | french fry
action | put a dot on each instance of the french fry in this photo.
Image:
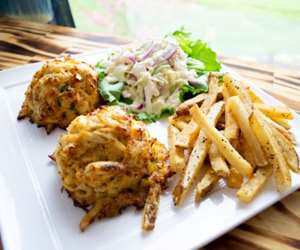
(231, 130)
(184, 108)
(225, 93)
(282, 122)
(282, 130)
(240, 114)
(217, 162)
(179, 124)
(234, 179)
(187, 136)
(229, 85)
(253, 96)
(177, 161)
(245, 150)
(197, 157)
(236, 88)
(151, 207)
(288, 151)
(211, 99)
(245, 98)
(223, 145)
(179, 121)
(273, 150)
(252, 186)
(206, 184)
(275, 112)
(205, 137)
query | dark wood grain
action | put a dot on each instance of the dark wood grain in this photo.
(278, 227)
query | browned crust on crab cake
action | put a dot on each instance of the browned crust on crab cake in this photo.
(108, 161)
(61, 90)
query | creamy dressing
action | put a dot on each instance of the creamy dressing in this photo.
(152, 74)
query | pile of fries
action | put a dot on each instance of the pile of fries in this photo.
(230, 133)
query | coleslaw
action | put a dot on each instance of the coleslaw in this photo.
(153, 78)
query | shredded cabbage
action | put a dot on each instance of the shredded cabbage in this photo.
(152, 77)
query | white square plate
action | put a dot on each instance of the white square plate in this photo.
(35, 214)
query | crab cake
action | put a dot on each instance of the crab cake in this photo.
(61, 90)
(108, 161)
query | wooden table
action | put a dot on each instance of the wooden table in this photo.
(278, 227)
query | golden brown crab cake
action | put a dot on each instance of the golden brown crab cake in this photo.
(108, 161)
(61, 90)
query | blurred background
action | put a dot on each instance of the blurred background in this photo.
(267, 30)
(264, 30)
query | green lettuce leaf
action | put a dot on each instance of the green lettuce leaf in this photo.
(199, 51)
(190, 91)
(184, 40)
(125, 100)
(110, 92)
(148, 118)
(100, 69)
(167, 111)
(196, 65)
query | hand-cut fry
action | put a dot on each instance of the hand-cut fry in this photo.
(282, 122)
(231, 130)
(177, 161)
(282, 130)
(245, 98)
(240, 114)
(212, 93)
(178, 121)
(197, 157)
(252, 186)
(207, 183)
(225, 93)
(184, 108)
(288, 150)
(217, 161)
(275, 112)
(234, 179)
(151, 207)
(230, 86)
(237, 88)
(223, 145)
(179, 124)
(187, 136)
(245, 150)
(253, 96)
(248, 139)
(273, 150)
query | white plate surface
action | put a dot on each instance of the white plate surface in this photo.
(34, 214)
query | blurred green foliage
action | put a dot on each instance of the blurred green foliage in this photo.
(267, 30)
